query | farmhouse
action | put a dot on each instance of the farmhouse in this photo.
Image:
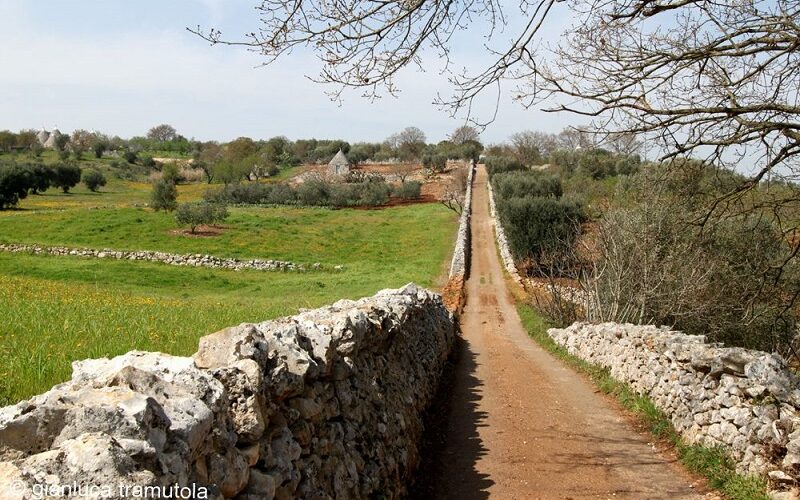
(339, 164)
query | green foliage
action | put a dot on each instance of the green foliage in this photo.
(373, 194)
(93, 179)
(313, 192)
(408, 190)
(164, 196)
(540, 231)
(435, 162)
(170, 172)
(520, 184)
(203, 213)
(130, 156)
(500, 164)
(66, 176)
(43, 177)
(281, 194)
(147, 161)
(595, 163)
(15, 181)
(59, 309)
(7, 140)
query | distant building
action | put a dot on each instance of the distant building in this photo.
(339, 165)
(52, 138)
(42, 136)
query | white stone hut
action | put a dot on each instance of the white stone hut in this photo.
(50, 143)
(42, 136)
(339, 164)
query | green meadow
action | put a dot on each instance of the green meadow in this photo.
(60, 309)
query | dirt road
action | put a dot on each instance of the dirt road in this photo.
(522, 425)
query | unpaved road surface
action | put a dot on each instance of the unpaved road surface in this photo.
(522, 425)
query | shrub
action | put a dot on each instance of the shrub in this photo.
(15, 182)
(93, 179)
(726, 280)
(281, 194)
(196, 214)
(435, 162)
(520, 184)
(313, 192)
(343, 195)
(374, 194)
(130, 156)
(541, 232)
(499, 164)
(408, 190)
(170, 172)
(164, 196)
(147, 161)
(63, 155)
(43, 178)
(66, 176)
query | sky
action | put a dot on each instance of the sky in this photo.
(121, 67)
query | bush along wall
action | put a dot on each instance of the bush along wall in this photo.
(539, 226)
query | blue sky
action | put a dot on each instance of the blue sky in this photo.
(122, 66)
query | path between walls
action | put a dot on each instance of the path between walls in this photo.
(522, 425)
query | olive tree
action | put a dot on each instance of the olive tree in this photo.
(202, 213)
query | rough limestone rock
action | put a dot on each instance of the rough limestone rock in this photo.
(743, 400)
(325, 404)
(459, 264)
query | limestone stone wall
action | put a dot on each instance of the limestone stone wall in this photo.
(502, 242)
(459, 267)
(325, 404)
(193, 260)
(743, 400)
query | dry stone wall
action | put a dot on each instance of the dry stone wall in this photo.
(459, 267)
(502, 242)
(193, 260)
(743, 400)
(325, 404)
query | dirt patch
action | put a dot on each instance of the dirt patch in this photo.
(453, 294)
(199, 232)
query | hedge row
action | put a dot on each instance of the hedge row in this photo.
(314, 192)
(541, 227)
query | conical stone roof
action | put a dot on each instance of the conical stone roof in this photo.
(339, 160)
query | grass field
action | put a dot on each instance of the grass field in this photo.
(59, 309)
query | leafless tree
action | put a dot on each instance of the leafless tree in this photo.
(624, 143)
(572, 138)
(528, 146)
(465, 133)
(454, 191)
(717, 79)
(402, 171)
(163, 132)
(408, 144)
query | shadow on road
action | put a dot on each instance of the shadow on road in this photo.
(451, 444)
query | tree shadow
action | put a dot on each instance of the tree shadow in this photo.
(451, 444)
